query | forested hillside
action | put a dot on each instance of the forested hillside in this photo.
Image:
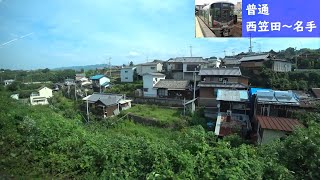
(42, 142)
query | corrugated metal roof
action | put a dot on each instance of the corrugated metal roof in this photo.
(278, 123)
(172, 84)
(253, 91)
(255, 57)
(221, 85)
(316, 92)
(187, 59)
(232, 95)
(277, 97)
(220, 72)
(96, 77)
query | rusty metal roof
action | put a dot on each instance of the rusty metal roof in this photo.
(278, 123)
(316, 92)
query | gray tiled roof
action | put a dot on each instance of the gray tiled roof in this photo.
(220, 72)
(154, 74)
(106, 99)
(221, 85)
(188, 59)
(255, 57)
(231, 61)
(171, 84)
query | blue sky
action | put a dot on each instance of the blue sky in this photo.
(83, 32)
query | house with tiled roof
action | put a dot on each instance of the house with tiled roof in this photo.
(149, 67)
(257, 61)
(107, 105)
(183, 68)
(172, 88)
(213, 79)
(149, 81)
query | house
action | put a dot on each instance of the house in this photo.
(80, 77)
(149, 67)
(69, 82)
(183, 68)
(233, 109)
(275, 103)
(228, 124)
(231, 62)
(171, 88)
(8, 82)
(270, 128)
(149, 81)
(280, 65)
(214, 62)
(233, 101)
(107, 105)
(213, 79)
(99, 82)
(35, 99)
(41, 97)
(127, 74)
(45, 92)
(257, 61)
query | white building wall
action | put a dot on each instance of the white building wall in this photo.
(127, 75)
(103, 80)
(270, 135)
(45, 92)
(279, 66)
(148, 83)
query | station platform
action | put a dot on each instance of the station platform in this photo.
(202, 29)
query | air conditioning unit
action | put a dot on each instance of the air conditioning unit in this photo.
(229, 112)
(220, 79)
(224, 81)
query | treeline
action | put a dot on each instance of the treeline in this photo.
(295, 80)
(41, 142)
(41, 75)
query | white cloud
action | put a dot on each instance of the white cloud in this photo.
(133, 54)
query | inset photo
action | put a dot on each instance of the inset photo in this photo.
(216, 18)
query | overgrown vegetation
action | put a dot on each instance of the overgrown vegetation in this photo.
(39, 142)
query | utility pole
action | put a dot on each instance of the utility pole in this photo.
(88, 110)
(110, 65)
(75, 91)
(190, 51)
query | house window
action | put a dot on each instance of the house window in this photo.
(145, 89)
(125, 71)
(126, 78)
(152, 68)
(161, 92)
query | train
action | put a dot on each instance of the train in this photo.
(219, 17)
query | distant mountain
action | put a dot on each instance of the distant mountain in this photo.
(87, 67)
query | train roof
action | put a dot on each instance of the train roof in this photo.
(209, 5)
